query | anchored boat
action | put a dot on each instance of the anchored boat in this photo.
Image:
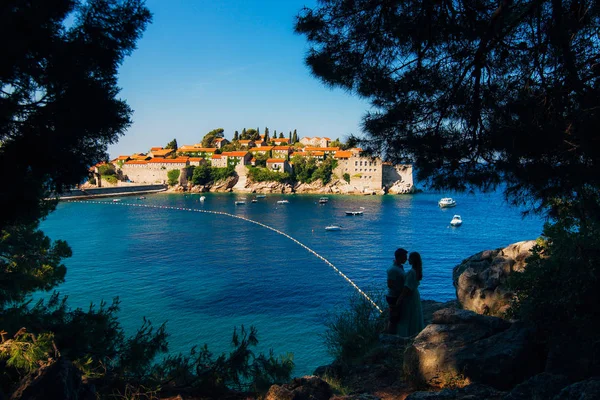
(282, 202)
(447, 202)
(456, 221)
(333, 228)
(323, 200)
(359, 212)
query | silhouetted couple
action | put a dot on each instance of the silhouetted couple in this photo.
(406, 315)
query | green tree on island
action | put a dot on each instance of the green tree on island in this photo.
(267, 138)
(173, 177)
(209, 139)
(295, 137)
(480, 96)
(236, 136)
(172, 145)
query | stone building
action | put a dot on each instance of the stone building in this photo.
(279, 165)
(315, 141)
(371, 174)
(220, 142)
(218, 161)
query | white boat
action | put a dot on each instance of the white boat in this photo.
(202, 198)
(261, 196)
(282, 202)
(323, 200)
(141, 197)
(240, 202)
(333, 228)
(254, 201)
(456, 221)
(359, 212)
(116, 200)
(447, 202)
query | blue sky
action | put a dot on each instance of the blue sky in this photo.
(205, 64)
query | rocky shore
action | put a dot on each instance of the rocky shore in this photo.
(336, 186)
(466, 351)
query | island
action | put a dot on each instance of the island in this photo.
(254, 163)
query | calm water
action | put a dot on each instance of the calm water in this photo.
(205, 274)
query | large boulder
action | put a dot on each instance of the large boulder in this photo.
(59, 380)
(471, 392)
(480, 280)
(460, 347)
(305, 388)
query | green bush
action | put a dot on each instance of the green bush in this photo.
(92, 181)
(173, 176)
(219, 174)
(110, 179)
(107, 170)
(265, 175)
(354, 331)
(561, 281)
(347, 177)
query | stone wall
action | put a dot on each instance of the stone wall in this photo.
(365, 173)
(139, 174)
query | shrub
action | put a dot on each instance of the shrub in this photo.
(173, 176)
(561, 281)
(201, 175)
(219, 174)
(347, 177)
(107, 170)
(354, 331)
(110, 179)
(92, 181)
(266, 175)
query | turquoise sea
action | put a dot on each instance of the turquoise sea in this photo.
(205, 274)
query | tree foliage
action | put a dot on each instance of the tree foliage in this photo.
(266, 175)
(173, 176)
(59, 102)
(209, 139)
(474, 93)
(29, 262)
(172, 145)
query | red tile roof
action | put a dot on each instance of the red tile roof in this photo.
(264, 148)
(168, 160)
(275, 160)
(235, 153)
(343, 154)
(155, 148)
(192, 149)
(162, 152)
(282, 148)
(216, 156)
(135, 162)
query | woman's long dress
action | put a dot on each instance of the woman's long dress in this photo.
(411, 314)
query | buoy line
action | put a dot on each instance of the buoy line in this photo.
(336, 269)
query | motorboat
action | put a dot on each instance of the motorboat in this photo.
(323, 200)
(333, 228)
(261, 196)
(141, 197)
(240, 202)
(447, 202)
(282, 202)
(254, 201)
(359, 212)
(116, 200)
(202, 198)
(456, 221)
